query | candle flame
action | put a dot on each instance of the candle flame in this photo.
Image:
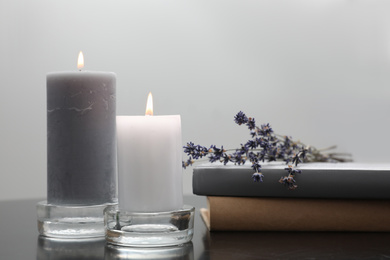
(149, 105)
(80, 61)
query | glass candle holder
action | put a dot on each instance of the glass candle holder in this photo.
(149, 229)
(71, 221)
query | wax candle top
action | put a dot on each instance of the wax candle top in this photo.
(78, 75)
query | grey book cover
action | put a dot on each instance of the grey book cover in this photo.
(317, 180)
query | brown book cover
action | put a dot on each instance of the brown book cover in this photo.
(285, 214)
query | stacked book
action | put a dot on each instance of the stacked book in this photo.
(329, 197)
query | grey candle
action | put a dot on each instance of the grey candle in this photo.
(81, 150)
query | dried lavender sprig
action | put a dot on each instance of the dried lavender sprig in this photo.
(320, 155)
(273, 148)
(264, 146)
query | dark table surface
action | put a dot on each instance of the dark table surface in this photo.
(19, 239)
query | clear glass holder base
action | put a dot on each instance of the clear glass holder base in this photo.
(139, 229)
(60, 221)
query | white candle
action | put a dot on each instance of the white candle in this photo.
(149, 163)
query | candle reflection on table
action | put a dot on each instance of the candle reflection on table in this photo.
(70, 249)
(184, 251)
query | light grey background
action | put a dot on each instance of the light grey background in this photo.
(316, 70)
